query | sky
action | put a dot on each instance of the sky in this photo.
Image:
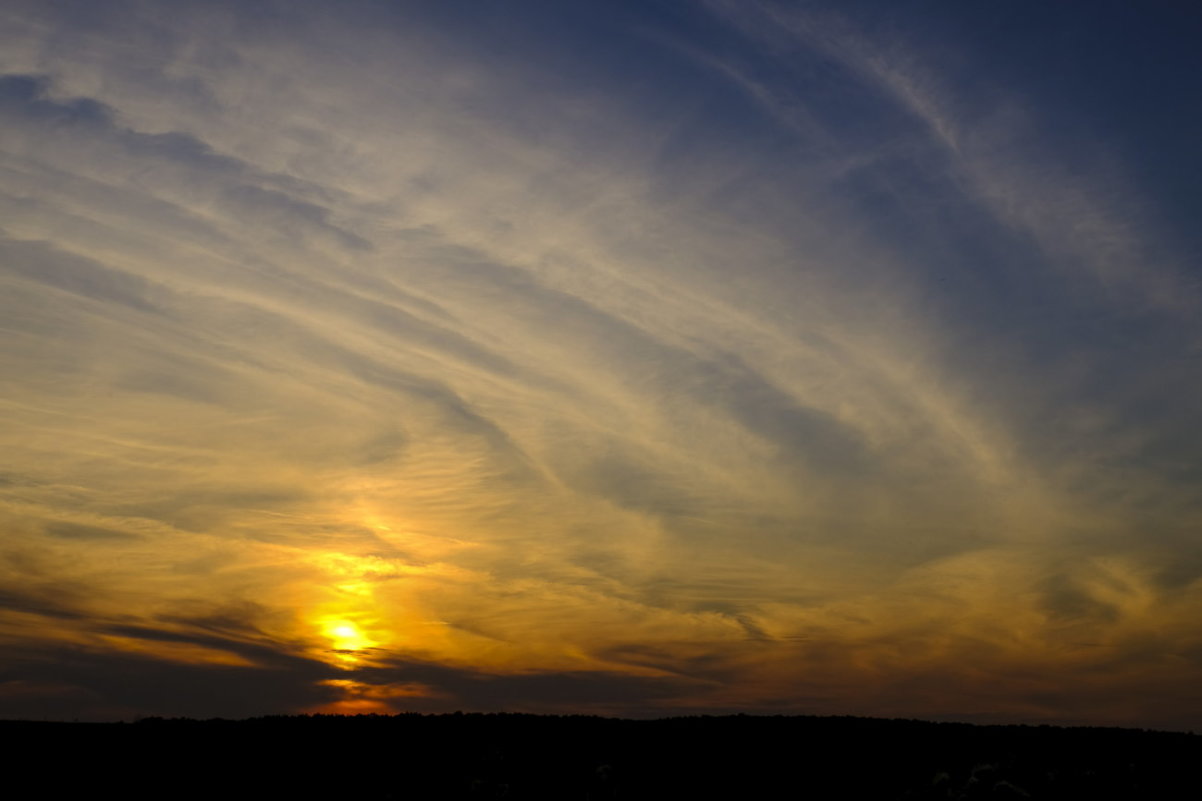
(620, 358)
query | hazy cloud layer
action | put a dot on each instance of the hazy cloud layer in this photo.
(625, 359)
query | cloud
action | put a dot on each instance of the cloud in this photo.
(89, 686)
(789, 377)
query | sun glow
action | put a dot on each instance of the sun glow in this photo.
(347, 636)
(348, 621)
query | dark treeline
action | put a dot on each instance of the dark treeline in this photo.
(470, 756)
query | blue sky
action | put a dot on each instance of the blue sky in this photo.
(626, 358)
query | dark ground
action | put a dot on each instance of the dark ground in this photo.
(569, 758)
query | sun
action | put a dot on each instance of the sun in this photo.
(346, 636)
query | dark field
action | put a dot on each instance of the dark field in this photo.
(566, 758)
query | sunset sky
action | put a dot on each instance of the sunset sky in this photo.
(623, 357)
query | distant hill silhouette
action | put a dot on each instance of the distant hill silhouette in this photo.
(510, 756)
